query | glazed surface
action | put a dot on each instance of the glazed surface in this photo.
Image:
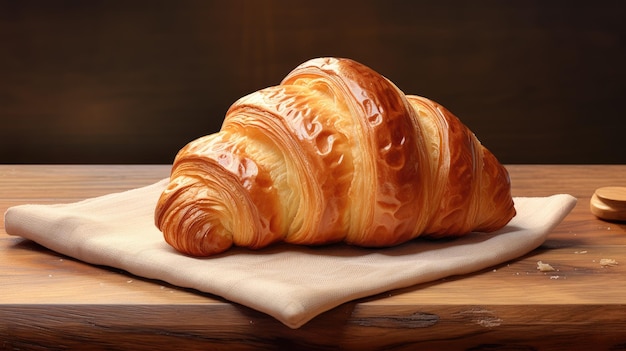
(334, 153)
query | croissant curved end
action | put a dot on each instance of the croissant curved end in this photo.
(186, 226)
(196, 212)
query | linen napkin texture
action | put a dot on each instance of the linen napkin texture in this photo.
(291, 283)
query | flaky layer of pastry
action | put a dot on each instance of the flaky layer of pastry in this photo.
(335, 153)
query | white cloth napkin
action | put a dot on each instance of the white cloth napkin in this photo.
(292, 284)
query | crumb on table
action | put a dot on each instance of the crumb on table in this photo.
(544, 267)
(608, 262)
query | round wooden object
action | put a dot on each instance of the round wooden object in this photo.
(609, 203)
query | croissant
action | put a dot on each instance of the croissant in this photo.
(335, 153)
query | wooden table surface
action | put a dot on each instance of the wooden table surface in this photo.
(49, 300)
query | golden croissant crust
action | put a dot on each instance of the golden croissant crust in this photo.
(335, 153)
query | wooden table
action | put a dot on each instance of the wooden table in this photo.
(50, 300)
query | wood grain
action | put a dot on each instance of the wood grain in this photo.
(53, 301)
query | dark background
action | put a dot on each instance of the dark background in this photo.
(133, 81)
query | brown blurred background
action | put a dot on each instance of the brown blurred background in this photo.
(133, 81)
